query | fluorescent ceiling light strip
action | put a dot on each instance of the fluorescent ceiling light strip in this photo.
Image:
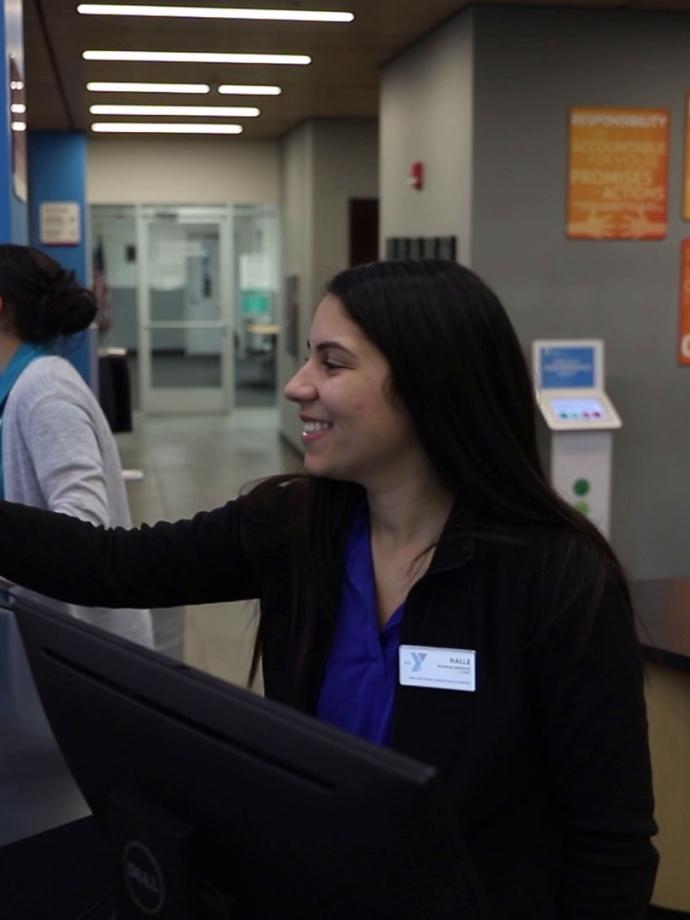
(18, 126)
(196, 57)
(18, 108)
(212, 111)
(104, 87)
(235, 89)
(212, 12)
(125, 127)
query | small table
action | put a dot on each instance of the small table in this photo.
(271, 329)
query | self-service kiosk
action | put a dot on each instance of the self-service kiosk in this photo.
(580, 418)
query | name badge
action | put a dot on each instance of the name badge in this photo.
(437, 668)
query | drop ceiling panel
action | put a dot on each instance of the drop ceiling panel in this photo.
(342, 81)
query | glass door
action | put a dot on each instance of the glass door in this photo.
(185, 309)
(256, 294)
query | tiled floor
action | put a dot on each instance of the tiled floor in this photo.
(192, 463)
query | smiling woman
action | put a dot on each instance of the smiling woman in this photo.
(422, 586)
(352, 429)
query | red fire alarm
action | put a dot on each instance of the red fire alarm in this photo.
(416, 177)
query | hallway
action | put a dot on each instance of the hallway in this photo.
(195, 463)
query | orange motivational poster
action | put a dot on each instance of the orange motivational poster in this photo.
(617, 174)
(684, 325)
(686, 179)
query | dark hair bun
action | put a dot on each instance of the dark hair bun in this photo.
(66, 307)
(42, 301)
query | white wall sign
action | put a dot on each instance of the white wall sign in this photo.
(255, 271)
(60, 223)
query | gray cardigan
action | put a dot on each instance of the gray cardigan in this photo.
(59, 454)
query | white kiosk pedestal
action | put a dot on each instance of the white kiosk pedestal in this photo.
(569, 376)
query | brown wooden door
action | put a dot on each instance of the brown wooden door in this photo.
(364, 230)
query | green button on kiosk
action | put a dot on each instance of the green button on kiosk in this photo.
(580, 418)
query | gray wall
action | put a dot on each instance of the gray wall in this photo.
(506, 77)
(325, 164)
(345, 167)
(298, 254)
(427, 112)
(182, 170)
(530, 66)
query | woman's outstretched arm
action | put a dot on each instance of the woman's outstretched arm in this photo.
(201, 560)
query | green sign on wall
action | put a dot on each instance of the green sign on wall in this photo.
(255, 302)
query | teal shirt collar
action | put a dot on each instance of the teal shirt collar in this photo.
(23, 356)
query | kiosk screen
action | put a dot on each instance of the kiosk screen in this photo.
(578, 410)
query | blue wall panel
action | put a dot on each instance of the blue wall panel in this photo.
(57, 172)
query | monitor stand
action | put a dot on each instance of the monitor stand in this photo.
(155, 876)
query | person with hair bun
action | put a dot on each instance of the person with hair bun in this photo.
(57, 451)
(424, 587)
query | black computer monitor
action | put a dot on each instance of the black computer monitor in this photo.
(219, 803)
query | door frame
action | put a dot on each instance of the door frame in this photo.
(168, 400)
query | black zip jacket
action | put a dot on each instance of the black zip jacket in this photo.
(545, 767)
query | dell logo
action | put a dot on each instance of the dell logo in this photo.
(138, 875)
(143, 878)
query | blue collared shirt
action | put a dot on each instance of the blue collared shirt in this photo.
(361, 673)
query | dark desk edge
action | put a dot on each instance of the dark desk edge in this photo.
(662, 608)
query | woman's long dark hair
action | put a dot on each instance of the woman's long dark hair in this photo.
(458, 370)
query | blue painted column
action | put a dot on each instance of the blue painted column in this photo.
(57, 173)
(13, 207)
